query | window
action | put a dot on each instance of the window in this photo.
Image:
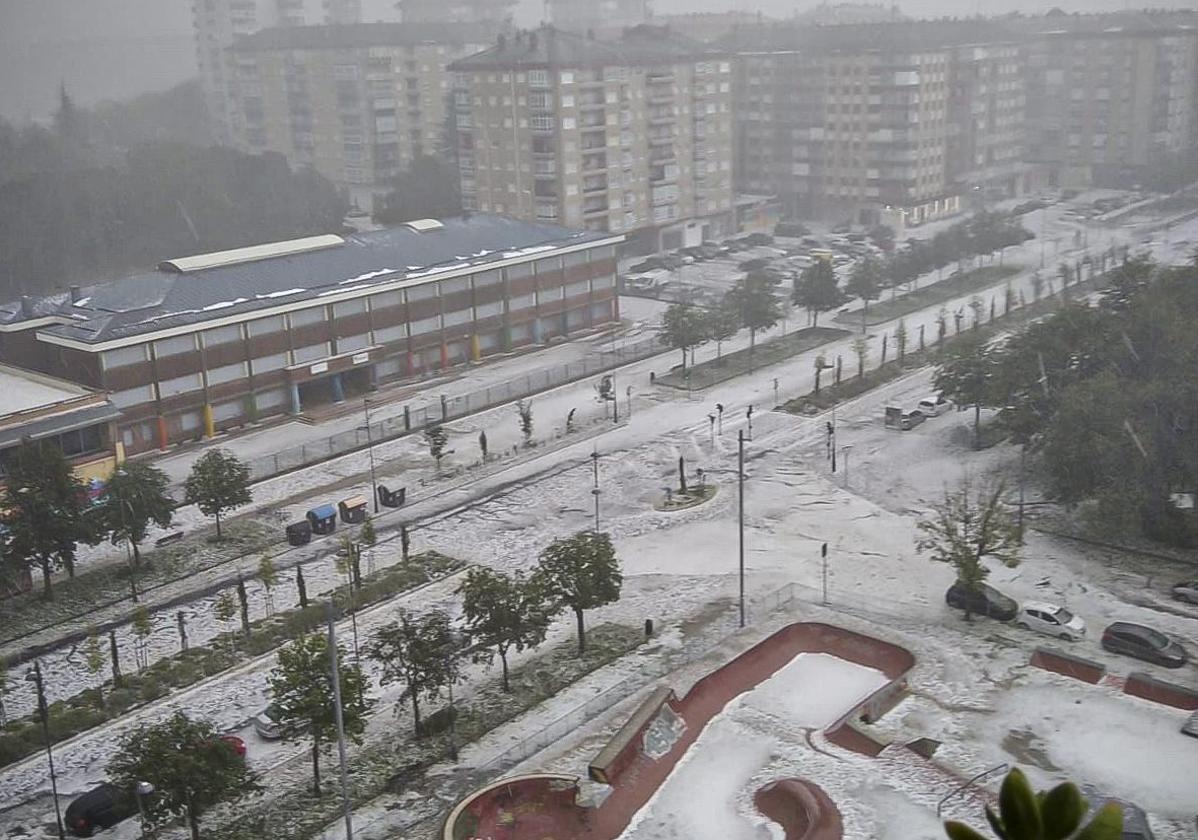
(222, 335)
(175, 346)
(521, 302)
(226, 373)
(124, 356)
(345, 308)
(515, 272)
(603, 282)
(386, 299)
(179, 385)
(133, 396)
(271, 399)
(462, 316)
(489, 310)
(576, 258)
(388, 334)
(488, 278)
(353, 342)
(424, 292)
(458, 284)
(554, 293)
(579, 288)
(227, 411)
(269, 363)
(266, 326)
(425, 325)
(304, 317)
(312, 352)
(549, 265)
(80, 441)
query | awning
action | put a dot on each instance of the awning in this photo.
(323, 512)
(354, 501)
(59, 424)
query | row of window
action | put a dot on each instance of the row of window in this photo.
(227, 334)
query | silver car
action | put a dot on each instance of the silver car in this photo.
(1186, 591)
(267, 725)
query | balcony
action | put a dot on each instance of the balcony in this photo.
(662, 116)
(594, 184)
(659, 96)
(597, 204)
(659, 77)
(661, 138)
(662, 155)
(594, 163)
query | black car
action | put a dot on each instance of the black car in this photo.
(651, 264)
(758, 239)
(101, 807)
(754, 264)
(988, 602)
(1143, 643)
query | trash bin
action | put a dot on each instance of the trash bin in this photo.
(392, 498)
(323, 519)
(299, 533)
(353, 510)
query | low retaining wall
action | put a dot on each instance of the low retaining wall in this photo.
(1068, 665)
(1159, 691)
(802, 808)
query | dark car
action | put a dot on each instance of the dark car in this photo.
(1186, 591)
(1135, 821)
(988, 602)
(651, 264)
(1143, 643)
(759, 239)
(101, 807)
(753, 264)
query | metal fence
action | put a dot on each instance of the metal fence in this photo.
(413, 417)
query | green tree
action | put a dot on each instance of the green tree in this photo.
(268, 576)
(865, 282)
(1048, 815)
(436, 439)
(419, 651)
(42, 509)
(753, 299)
(723, 322)
(580, 573)
(965, 529)
(428, 188)
(218, 481)
(683, 327)
(93, 659)
(190, 766)
(301, 690)
(968, 376)
(816, 290)
(135, 496)
(224, 610)
(861, 351)
(524, 410)
(900, 339)
(502, 613)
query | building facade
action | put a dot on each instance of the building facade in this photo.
(356, 102)
(597, 16)
(498, 13)
(1109, 95)
(215, 341)
(218, 23)
(633, 135)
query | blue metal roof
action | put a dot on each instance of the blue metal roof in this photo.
(323, 511)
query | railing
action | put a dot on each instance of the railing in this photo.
(998, 768)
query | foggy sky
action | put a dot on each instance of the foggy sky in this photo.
(113, 49)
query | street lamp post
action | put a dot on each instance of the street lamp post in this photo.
(374, 486)
(740, 477)
(142, 790)
(595, 487)
(846, 449)
(35, 676)
(338, 719)
(823, 550)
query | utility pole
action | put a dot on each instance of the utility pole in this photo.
(740, 477)
(846, 448)
(824, 554)
(335, 675)
(615, 400)
(1022, 467)
(374, 485)
(44, 713)
(832, 438)
(628, 391)
(719, 408)
(595, 488)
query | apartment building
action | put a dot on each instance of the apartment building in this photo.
(218, 23)
(1110, 94)
(596, 16)
(496, 12)
(209, 342)
(357, 102)
(843, 122)
(632, 135)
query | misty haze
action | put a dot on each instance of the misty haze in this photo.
(598, 420)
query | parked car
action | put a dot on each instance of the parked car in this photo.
(267, 724)
(1051, 620)
(790, 229)
(911, 419)
(1190, 727)
(236, 743)
(1143, 643)
(647, 265)
(759, 239)
(1186, 591)
(672, 261)
(988, 602)
(1135, 821)
(754, 264)
(102, 807)
(935, 406)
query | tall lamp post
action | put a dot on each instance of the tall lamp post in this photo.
(740, 477)
(846, 449)
(338, 720)
(142, 790)
(374, 485)
(595, 487)
(35, 676)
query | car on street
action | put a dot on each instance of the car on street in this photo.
(1142, 642)
(1186, 591)
(647, 265)
(1190, 727)
(267, 724)
(102, 807)
(934, 406)
(911, 419)
(988, 601)
(1051, 620)
(755, 264)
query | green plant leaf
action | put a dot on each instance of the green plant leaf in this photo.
(996, 824)
(1106, 825)
(1017, 804)
(1062, 810)
(960, 831)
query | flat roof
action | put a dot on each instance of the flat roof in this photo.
(164, 301)
(26, 390)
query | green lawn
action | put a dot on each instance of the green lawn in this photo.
(734, 364)
(952, 287)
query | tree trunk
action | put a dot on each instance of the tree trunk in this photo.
(582, 644)
(136, 555)
(68, 563)
(193, 821)
(114, 658)
(977, 425)
(218, 525)
(718, 349)
(864, 314)
(684, 358)
(316, 766)
(47, 586)
(503, 659)
(416, 711)
(818, 371)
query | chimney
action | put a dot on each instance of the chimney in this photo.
(76, 294)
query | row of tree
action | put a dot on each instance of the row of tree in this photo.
(192, 769)
(46, 513)
(1104, 397)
